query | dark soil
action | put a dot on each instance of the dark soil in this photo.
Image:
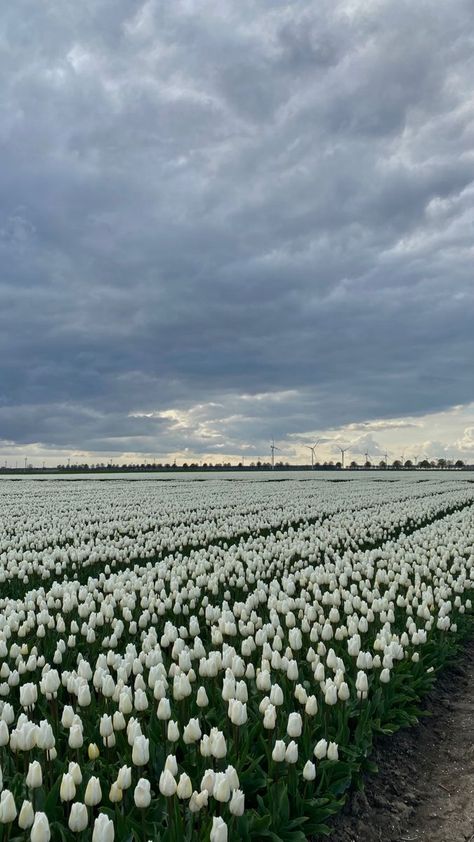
(424, 789)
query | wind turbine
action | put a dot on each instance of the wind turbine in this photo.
(312, 448)
(366, 454)
(343, 450)
(273, 447)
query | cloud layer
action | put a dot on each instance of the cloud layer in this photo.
(266, 209)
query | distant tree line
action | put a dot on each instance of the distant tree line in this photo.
(259, 465)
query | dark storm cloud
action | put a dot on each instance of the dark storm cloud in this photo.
(200, 201)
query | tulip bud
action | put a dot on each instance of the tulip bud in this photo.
(333, 753)
(115, 793)
(237, 712)
(75, 771)
(164, 710)
(34, 777)
(344, 692)
(27, 815)
(309, 771)
(67, 790)
(7, 807)
(78, 818)
(208, 781)
(269, 718)
(362, 684)
(171, 764)
(198, 800)
(201, 699)
(93, 751)
(291, 754)
(232, 777)
(140, 751)
(278, 753)
(218, 830)
(311, 706)
(320, 749)
(173, 731)
(330, 695)
(124, 777)
(185, 787)
(67, 717)
(295, 725)
(105, 726)
(75, 739)
(218, 745)
(192, 732)
(4, 733)
(118, 721)
(167, 784)
(237, 803)
(93, 793)
(142, 794)
(221, 790)
(103, 829)
(40, 831)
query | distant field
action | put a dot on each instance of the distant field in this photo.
(212, 659)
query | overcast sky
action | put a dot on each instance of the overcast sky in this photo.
(226, 221)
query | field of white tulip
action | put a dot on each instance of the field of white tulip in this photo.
(184, 660)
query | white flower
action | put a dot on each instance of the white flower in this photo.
(7, 807)
(269, 718)
(295, 725)
(332, 752)
(320, 749)
(309, 771)
(34, 777)
(167, 783)
(93, 793)
(124, 777)
(192, 732)
(103, 829)
(221, 791)
(184, 788)
(218, 830)
(291, 754)
(78, 817)
(140, 751)
(278, 753)
(27, 815)
(142, 794)
(237, 803)
(115, 793)
(40, 831)
(67, 790)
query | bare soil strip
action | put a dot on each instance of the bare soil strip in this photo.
(424, 790)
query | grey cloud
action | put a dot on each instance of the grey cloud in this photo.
(199, 204)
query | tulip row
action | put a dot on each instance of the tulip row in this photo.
(180, 662)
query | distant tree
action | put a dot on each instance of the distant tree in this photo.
(397, 463)
(382, 464)
(459, 464)
(354, 464)
(441, 463)
(408, 464)
(424, 463)
(367, 464)
(338, 464)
